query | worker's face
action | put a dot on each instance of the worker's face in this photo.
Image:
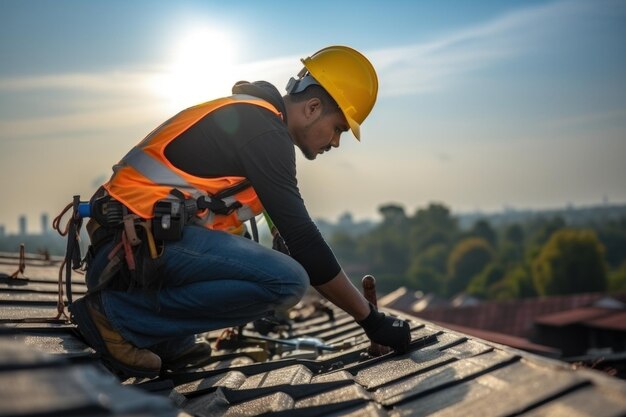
(317, 132)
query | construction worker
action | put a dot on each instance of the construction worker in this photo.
(235, 157)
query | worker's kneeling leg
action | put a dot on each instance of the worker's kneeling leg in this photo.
(213, 280)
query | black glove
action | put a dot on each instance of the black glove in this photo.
(386, 330)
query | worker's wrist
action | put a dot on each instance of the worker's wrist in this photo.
(372, 320)
(364, 310)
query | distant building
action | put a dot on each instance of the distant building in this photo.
(345, 220)
(44, 224)
(23, 231)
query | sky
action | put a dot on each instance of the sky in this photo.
(482, 105)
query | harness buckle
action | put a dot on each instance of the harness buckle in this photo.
(169, 219)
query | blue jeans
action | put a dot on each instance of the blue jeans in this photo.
(213, 280)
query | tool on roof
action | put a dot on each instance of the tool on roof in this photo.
(302, 342)
(21, 263)
(276, 323)
(236, 339)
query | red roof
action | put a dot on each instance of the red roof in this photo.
(615, 321)
(505, 339)
(514, 317)
(577, 315)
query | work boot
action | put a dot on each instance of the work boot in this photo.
(122, 356)
(196, 355)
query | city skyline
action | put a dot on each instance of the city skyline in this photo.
(24, 225)
(482, 105)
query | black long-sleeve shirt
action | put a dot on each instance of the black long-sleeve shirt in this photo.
(252, 142)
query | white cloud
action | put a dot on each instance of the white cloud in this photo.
(100, 101)
(121, 81)
(85, 102)
(102, 120)
(591, 118)
(403, 70)
(433, 65)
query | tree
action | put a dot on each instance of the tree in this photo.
(426, 279)
(511, 247)
(482, 282)
(571, 262)
(432, 226)
(614, 241)
(505, 289)
(514, 234)
(483, 229)
(392, 214)
(523, 279)
(467, 259)
(617, 279)
(386, 248)
(540, 230)
(517, 283)
(427, 270)
(344, 246)
(385, 253)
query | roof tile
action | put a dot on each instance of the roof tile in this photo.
(296, 374)
(445, 372)
(348, 393)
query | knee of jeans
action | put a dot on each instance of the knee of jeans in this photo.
(297, 285)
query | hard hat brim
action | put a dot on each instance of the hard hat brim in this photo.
(354, 127)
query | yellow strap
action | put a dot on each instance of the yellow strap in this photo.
(151, 245)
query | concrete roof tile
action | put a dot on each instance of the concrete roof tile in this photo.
(445, 373)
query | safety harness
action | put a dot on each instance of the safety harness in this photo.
(137, 243)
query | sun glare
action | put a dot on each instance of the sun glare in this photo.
(202, 68)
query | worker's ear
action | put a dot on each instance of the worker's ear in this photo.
(313, 108)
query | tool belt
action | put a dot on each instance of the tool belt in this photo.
(134, 260)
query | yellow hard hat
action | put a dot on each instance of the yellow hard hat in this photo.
(349, 78)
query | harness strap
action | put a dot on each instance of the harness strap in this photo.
(72, 253)
(225, 203)
(255, 230)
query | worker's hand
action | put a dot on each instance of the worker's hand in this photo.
(386, 330)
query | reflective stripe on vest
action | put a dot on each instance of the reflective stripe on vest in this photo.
(145, 176)
(155, 170)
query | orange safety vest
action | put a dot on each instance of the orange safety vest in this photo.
(144, 176)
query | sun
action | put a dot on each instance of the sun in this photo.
(202, 67)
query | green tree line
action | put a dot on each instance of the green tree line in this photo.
(428, 251)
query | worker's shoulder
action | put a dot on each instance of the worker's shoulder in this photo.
(269, 113)
(255, 123)
(248, 118)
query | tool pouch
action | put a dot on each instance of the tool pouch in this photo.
(169, 219)
(133, 261)
(143, 267)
